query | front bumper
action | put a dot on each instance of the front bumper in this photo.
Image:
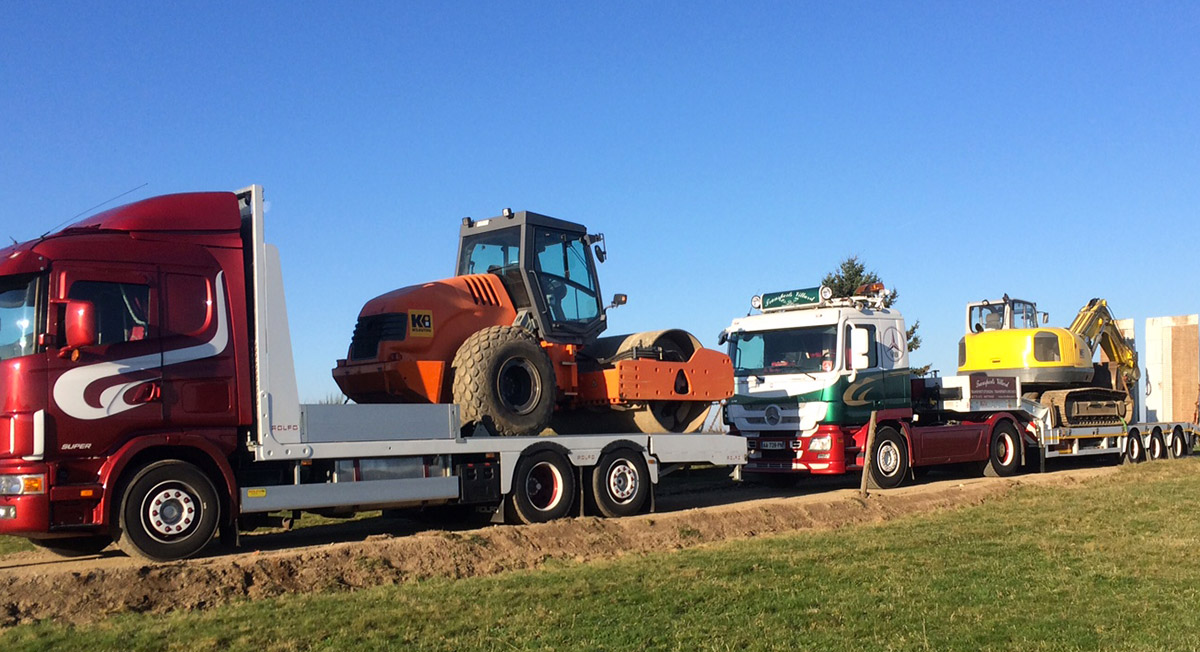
(797, 454)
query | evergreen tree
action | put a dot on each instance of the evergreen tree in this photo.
(851, 275)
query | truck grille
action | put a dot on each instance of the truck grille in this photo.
(373, 329)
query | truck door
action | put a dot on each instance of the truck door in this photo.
(103, 392)
(198, 365)
(866, 391)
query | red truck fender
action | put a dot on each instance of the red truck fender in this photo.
(186, 446)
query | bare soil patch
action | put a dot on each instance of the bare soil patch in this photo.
(38, 585)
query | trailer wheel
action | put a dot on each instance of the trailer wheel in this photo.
(75, 546)
(169, 511)
(1179, 447)
(1135, 451)
(1158, 446)
(543, 488)
(889, 460)
(1004, 453)
(620, 483)
(504, 380)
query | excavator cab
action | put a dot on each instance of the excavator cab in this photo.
(1001, 314)
(547, 267)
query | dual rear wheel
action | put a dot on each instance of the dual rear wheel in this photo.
(545, 486)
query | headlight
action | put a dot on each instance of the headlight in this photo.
(820, 443)
(15, 485)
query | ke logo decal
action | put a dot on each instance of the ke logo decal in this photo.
(72, 386)
(420, 323)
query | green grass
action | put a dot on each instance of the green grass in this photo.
(10, 545)
(1105, 566)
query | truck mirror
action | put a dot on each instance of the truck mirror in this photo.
(80, 324)
(860, 348)
(723, 337)
(619, 300)
(1045, 318)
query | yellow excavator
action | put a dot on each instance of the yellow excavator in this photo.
(1055, 365)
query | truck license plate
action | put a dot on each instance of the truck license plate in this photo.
(771, 445)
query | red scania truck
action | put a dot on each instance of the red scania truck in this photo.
(149, 398)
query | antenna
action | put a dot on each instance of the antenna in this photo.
(85, 212)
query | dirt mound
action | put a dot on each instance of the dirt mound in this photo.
(38, 586)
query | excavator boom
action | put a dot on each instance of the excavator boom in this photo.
(1096, 325)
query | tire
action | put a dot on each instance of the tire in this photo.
(75, 546)
(620, 483)
(504, 380)
(1004, 452)
(1179, 447)
(1135, 450)
(1157, 450)
(889, 459)
(543, 488)
(169, 510)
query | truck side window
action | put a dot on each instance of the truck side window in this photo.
(189, 304)
(872, 353)
(121, 309)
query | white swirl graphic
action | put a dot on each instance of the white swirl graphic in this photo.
(71, 387)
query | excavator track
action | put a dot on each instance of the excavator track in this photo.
(1087, 406)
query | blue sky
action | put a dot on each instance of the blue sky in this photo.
(961, 149)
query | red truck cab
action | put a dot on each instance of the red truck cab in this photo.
(117, 338)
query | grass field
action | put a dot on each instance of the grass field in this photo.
(1105, 566)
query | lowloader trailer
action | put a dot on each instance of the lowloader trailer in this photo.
(150, 398)
(811, 370)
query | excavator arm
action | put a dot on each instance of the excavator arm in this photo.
(1097, 326)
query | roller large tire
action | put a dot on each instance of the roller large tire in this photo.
(889, 459)
(620, 483)
(504, 380)
(543, 488)
(169, 510)
(1004, 452)
(75, 546)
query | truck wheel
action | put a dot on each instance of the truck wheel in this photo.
(620, 483)
(169, 511)
(1004, 453)
(75, 546)
(503, 379)
(1158, 446)
(1179, 447)
(889, 460)
(543, 488)
(1135, 451)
